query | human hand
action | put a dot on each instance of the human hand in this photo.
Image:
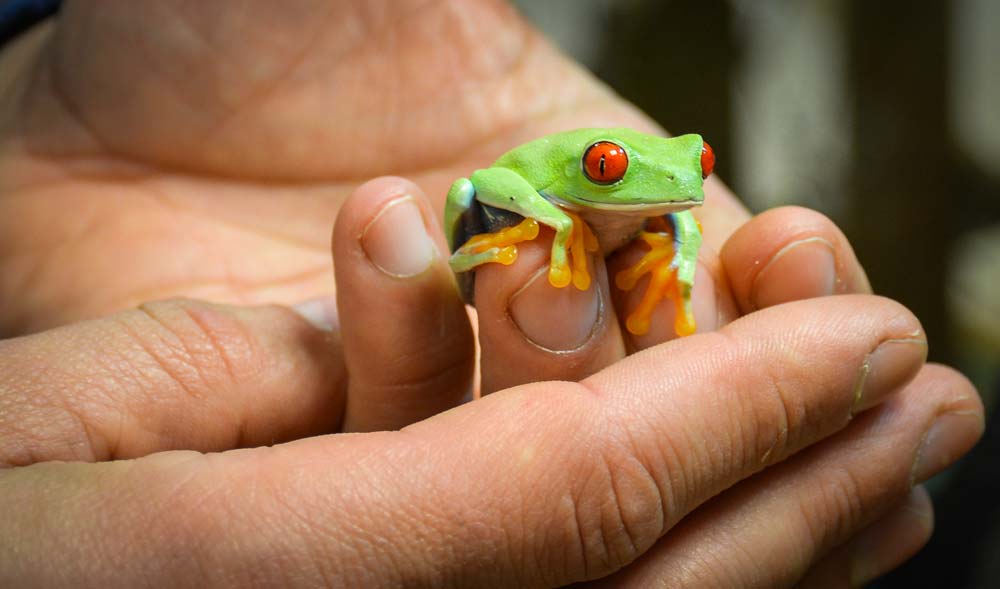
(172, 202)
(162, 149)
(539, 485)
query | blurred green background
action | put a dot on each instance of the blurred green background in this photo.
(883, 115)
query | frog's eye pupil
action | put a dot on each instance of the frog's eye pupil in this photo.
(605, 162)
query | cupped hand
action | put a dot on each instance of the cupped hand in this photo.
(535, 486)
(778, 449)
(172, 148)
(150, 150)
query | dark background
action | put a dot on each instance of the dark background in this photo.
(916, 198)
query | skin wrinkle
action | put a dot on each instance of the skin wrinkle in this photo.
(264, 91)
(528, 43)
(188, 493)
(634, 542)
(785, 414)
(34, 273)
(206, 286)
(87, 449)
(591, 513)
(666, 503)
(230, 281)
(131, 298)
(128, 373)
(84, 228)
(673, 483)
(221, 356)
(335, 182)
(100, 445)
(415, 517)
(222, 345)
(160, 76)
(309, 529)
(578, 527)
(165, 368)
(170, 202)
(49, 72)
(746, 443)
(179, 354)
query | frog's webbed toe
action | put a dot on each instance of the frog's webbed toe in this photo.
(498, 247)
(661, 264)
(569, 264)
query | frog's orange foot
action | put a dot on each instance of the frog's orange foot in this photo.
(499, 247)
(658, 263)
(571, 264)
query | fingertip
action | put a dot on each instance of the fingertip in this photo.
(407, 340)
(893, 539)
(375, 197)
(790, 253)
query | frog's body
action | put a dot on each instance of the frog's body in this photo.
(599, 189)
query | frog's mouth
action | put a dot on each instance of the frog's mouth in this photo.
(638, 208)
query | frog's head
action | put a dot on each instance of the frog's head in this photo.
(625, 171)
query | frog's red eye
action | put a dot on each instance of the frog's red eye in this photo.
(605, 162)
(707, 160)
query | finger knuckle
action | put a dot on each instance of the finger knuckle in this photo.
(833, 507)
(779, 414)
(194, 345)
(617, 510)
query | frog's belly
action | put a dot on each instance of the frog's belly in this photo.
(613, 230)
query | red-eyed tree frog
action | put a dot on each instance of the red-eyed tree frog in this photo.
(598, 189)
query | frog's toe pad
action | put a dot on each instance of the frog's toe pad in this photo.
(658, 263)
(582, 241)
(560, 275)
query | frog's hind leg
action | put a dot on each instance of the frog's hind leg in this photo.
(475, 234)
(479, 233)
(670, 264)
(461, 219)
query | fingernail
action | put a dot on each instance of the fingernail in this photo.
(321, 313)
(891, 540)
(557, 319)
(891, 365)
(950, 436)
(396, 240)
(803, 269)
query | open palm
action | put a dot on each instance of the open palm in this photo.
(203, 149)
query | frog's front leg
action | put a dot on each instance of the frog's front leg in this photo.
(671, 262)
(505, 189)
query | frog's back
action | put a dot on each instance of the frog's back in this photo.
(543, 160)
